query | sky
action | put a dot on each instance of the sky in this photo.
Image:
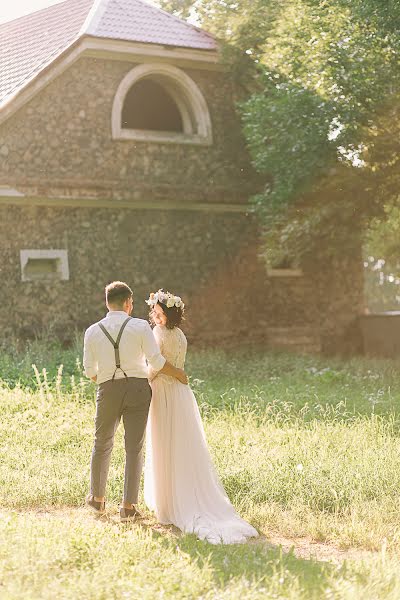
(17, 8)
(12, 9)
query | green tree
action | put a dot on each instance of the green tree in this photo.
(382, 261)
(320, 112)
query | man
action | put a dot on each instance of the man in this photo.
(115, 353)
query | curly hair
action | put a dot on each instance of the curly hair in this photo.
(174, 315)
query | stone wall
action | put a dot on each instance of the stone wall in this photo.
(211, 261)
(149, 249)
(61, 140)
(59, 147)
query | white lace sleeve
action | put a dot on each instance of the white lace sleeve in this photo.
(158, 334)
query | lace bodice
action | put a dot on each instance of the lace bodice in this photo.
(172, 343)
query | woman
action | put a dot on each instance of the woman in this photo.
(181, 484)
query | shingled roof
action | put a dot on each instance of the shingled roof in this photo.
(33, 42)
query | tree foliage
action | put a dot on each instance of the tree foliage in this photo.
(320, 114)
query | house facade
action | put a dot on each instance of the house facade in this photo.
(121, 157)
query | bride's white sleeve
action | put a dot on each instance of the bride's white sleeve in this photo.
(157, 332)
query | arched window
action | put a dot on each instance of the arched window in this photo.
(160, 103)
(148, 105)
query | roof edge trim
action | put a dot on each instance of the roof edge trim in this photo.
(35, 84)
(94, 16)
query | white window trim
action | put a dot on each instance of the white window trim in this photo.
(61, 255)
(181, 88)
(271, 272)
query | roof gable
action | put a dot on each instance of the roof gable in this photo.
(31, 43)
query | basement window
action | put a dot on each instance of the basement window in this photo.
(44, 265)
(284, 268)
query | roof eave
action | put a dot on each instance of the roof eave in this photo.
(129, 50)
(39, 80)
(87, 45)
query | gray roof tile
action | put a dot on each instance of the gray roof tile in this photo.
(31, 42)
(137, 21)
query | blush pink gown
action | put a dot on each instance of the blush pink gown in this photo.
(181, 484)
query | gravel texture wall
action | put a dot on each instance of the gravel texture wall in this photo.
(154, 225)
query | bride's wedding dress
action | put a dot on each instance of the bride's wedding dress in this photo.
(181, 484)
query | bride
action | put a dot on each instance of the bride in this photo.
(181, 485)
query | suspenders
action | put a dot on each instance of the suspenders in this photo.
(116, 345)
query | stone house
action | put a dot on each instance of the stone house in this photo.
(121, 157)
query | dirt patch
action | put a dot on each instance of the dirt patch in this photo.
(308, 548)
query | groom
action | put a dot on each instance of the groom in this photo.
(115, 353)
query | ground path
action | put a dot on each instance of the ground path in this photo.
(307, 548)
(304, 548)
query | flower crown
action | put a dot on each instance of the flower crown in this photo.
(165, 298)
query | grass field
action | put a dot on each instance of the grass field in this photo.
(307, 449)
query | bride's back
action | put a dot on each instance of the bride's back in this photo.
(172, 343)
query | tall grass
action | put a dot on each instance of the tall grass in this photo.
(304, 446)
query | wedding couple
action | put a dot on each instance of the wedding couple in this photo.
(122, 354)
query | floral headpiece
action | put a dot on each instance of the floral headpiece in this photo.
(165, 298)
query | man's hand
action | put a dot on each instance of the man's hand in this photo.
(172, 371)
(182, 377)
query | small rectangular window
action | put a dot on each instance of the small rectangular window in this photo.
(44, 265)
(284, 272)
(42, 268)
(284, 268)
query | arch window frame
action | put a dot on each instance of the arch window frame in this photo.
(184, 92)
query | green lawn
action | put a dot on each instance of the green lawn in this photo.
(305, 447)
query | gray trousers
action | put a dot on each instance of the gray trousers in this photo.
(128, 398)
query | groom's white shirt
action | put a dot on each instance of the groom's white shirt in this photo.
(137, 344)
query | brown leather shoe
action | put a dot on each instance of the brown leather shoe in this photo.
(97, 507)
(129, 514)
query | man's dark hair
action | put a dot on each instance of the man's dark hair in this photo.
(117, 293)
